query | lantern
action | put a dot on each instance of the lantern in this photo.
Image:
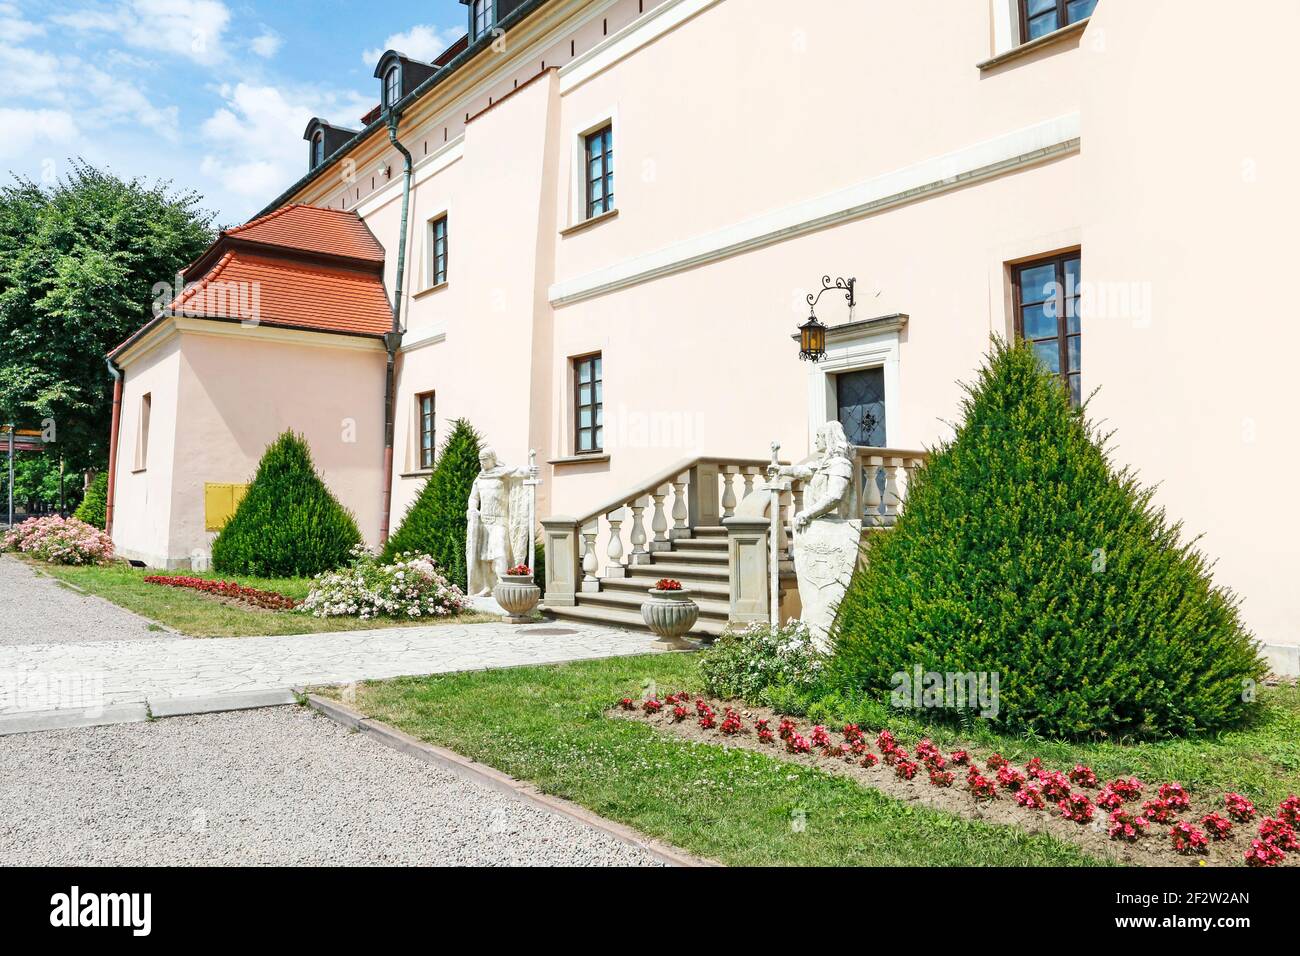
(812, 340)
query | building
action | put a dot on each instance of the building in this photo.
(617, 207)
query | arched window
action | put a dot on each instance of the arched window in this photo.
(317, 149)
(391, 85)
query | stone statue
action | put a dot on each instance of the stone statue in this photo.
(827, 532)
(498, 534)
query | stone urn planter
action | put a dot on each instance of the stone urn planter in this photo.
(517, 595)
(670, 613)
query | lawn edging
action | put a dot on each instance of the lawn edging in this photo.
(487, 776)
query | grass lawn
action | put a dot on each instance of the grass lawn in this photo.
(545, 725)
(201, 615)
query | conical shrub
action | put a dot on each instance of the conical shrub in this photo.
(288, 524)
(435, 524)
(94, 505)
(1024, 551)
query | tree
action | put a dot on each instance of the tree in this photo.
(94, 505)
(436, 524)
(288, 524)
(78, 263)
(1023, 551)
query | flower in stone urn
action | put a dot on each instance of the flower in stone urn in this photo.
(669, 611)
(517, 594)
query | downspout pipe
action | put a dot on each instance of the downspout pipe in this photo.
(393, 339)
(116, 372)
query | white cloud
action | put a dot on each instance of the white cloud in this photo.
(421, 42)
(254, 138)
(14, 28)
(25, 72)
(267, 44)
(24, 131)
(193, 29)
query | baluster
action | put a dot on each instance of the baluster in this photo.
(659, 522)
(614, 552)
(728, 475)
(639, 553)
(891, 496)
(911, 465)
(589, 562)
(871, 492)
(680, 528)
(749, 472)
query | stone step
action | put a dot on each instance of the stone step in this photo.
(718, 556)
(709, 531)
(622, 598)
(714, 590)
(680, 571)
(617, 617)
(699, 544)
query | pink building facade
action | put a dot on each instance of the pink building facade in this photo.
(638, 194)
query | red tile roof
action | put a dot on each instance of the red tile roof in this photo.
(333, 232)
(244, 285)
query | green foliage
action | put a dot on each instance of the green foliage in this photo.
(36, 478)
(743, 662)
(1023, 551)
(435, 524)
(288, 524)
(93, 506)
(78, 262)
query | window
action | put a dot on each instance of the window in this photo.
(1040, 17)
(142, 432)
(438, 251)
(481, 17)
(392, 85)
(1047, 314)
(860, 406)
(600, 171)
(317, 149)
(424, 409)
(588, 405)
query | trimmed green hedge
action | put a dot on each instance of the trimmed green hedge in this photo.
(1022, 550)
(435, 524)
(289, 524)
(94, 505)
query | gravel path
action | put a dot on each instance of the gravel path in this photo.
(36, 609)
(276, 786)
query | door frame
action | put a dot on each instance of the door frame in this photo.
(871, 343)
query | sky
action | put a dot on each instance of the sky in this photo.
(212, 95)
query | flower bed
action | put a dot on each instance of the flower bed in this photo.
(59, 541)
(411, 586)
(226, 589)
(1125, 819)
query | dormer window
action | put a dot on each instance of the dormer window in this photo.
(317, 149)
(392, 85)
(480, 17)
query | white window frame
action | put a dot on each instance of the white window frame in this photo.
(144, 414)
(1006, 26)
(853, 352)
(428, 249)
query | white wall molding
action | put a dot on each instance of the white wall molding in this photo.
(641, 32)
(873, 346)
(994, 157)
(432, 334)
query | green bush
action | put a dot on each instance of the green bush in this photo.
(94, 505)
(288, 524)
(435, 524)
(1022, 550)
(744, 662)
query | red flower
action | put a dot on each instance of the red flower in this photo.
(1035, 767)
(627, 703)
(732, 723)
(520, 569)
(1010, 778)
(1239, 808)
(852, 733)
(797, 744)
(229, 589)
(870, 760)
(1278, 833)
(1263, 854)
(651, 705)
(786, 729)
(906, 769)
(1158, 811)
(941, 778)
(1218, 825)
(1056, 785)
(707, 720)
(668, 584)
(1076, 807)
(1126, 825)
(959, 757)
(1083, 776)
(1174, 796)
(680, 713)
(820, 738)
(925, 750)
(1108, 799)
(1129, 789)
(981, 787)
(766, 736)
(1188, 839)
(885, 741)
(1031, 796)
(996, 761)
(1290, 810)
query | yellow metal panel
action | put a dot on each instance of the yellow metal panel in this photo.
(220, 499)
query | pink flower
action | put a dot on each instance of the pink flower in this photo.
(869, 761)
(1108, 799)
(1129, 789)
(1174, 796)
(1219, 826)
(1289, 810)
(1239, 808)
(1278, 833)
(1263, 854)
(1083, 776)
(1010, 778)
(905, 769)
(1187, 839)
(941, 778)
(1157, 811)
(1076, 807)
(1126, 825)
(1031, 796)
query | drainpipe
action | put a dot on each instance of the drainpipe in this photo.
(393, 339)
(114, 371)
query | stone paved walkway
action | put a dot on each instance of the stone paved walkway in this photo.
(110, 674)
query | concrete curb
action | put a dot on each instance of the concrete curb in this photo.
(216, 703)
(42, 720)
(503, 783)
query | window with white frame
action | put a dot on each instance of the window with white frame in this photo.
(599, 171)
(437, 265)
(1041, 17)
(481, 17)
